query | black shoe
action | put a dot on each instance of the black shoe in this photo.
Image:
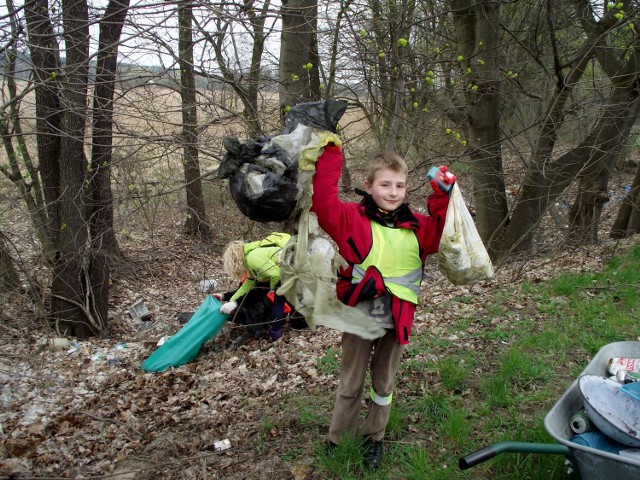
(372, 453)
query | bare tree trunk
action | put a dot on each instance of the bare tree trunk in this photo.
(70, 289)
(627, 221)
(597, 151)
(298, 33)
(196, 222)
(476, 24)
(104, 245)
(9, 278)
(584, 215)
(545, 179)
(43, 47)
(620, 114)
(531, 206)
(253, 86)
(333, 54)
(314, 72)
(593, 181)
(29, 187)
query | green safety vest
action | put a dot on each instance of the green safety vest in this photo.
(272, 240)
(261, 257)
(396, 253)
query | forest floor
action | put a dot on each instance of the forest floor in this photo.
(86, 409)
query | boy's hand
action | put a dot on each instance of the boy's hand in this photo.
(441, 179)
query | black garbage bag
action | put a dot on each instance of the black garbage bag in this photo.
(239, 154)
(262, 195)
(324, 115)
(263, 176)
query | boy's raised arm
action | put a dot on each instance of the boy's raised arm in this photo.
(325, 201)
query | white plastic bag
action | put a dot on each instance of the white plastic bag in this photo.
(462, 256)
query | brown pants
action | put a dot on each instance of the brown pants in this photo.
(356, 353)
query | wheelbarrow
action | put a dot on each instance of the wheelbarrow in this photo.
(586, 463)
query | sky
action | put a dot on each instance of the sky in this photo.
(150, 34)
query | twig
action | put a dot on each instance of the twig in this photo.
(613, 252)
(102, 419)
(608, 287)
(82, 308)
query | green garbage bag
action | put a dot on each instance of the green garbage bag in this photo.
(182, 347)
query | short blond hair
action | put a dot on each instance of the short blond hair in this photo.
(233, 260)
(386, 161)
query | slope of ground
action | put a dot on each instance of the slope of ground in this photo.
(87, 410)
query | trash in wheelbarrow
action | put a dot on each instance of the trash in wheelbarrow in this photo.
(580, 422)
(632, 389)
(598, 440)
(587, 463)
(616, 414)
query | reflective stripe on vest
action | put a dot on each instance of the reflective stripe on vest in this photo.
(395, 252)
(382, 401)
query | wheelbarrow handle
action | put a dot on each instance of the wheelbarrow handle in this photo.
(486, 453)
(479, 456)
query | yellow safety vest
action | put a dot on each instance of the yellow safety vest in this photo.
(261, 257)
(396, 253)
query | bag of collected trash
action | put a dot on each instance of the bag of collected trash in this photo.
(183, 346)
(308, 263)
(263, 173)
(323, 115)
(307, 271)
(462, 256)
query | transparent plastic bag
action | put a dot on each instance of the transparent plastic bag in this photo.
(462, 256)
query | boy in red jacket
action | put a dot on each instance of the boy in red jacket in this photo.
(385, 245)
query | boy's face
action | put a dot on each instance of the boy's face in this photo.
(389, 189)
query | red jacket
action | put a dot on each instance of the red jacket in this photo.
(349, 225)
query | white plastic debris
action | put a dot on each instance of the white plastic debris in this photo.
(207, 285)
(221, 445)
(59, 343)
(139, 311)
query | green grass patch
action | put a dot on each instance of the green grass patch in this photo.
(329, 364)
(454, 371)
(345, 461)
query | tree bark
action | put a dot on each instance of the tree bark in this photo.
(545, 179)
(9, 278)
(253, 82)
(45, 55)
(627, 220)
(477, 23)
(196, 222)
(70, 290)
(593, 180)
(298, 32)
(29, 187)
(104, 246)
(532, 202)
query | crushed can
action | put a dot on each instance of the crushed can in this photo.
(624, 377)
